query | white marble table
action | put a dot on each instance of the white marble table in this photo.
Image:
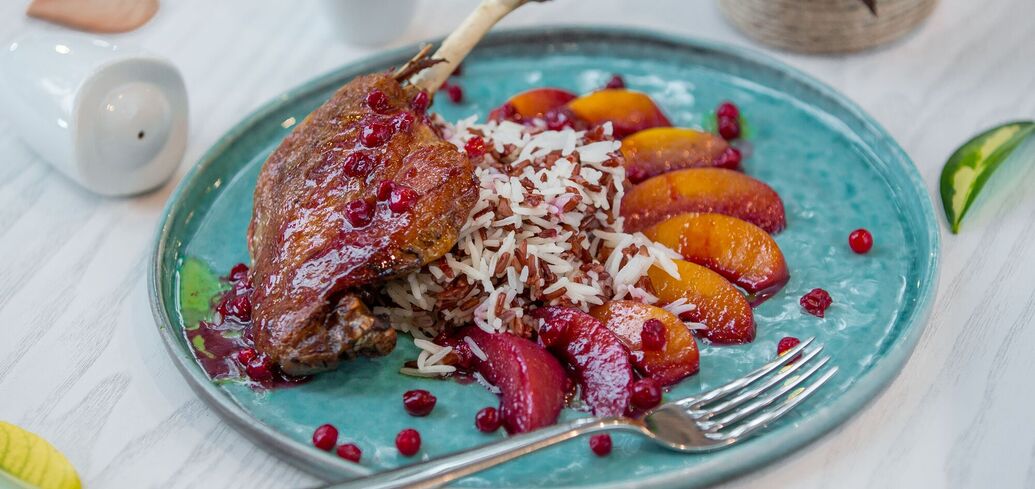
(80, 362)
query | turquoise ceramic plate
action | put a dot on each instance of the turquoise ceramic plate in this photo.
(834, 167)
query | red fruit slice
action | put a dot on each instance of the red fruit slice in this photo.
(597, 357)
(531, 381)
(627, 110)
(679, 357)
(720, 306)
(663, 149)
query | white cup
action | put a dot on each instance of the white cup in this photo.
(369, 22)
(112, 118)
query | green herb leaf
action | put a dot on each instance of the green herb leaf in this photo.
(973, 163)
(198, 286)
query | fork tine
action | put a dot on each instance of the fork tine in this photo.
(749, 394)
(760, 421)
(720, 392)
(765, 400)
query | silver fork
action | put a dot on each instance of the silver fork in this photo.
(709, 421)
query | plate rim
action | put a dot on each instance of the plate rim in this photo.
(763, 451)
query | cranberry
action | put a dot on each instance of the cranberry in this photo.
(421, 101)
(357, 163)
(237, 307)
(359, 213)
(378, 101)
(408, 442)
(616, 81)
(475, 147)
(786, 343)
(636, 174)
(730, 158)
(259, 369)
(375, 134)
(238, 273)
(729, 128)
(384, 189)
(728, 110)
(600, 444)
(487, 420)
(455, 93)
(860, 240)
(403, 121)
(402, 199)
(652, 337)
(325, 437)
(418, 402)
(246, 355)
(816, 302)
(350, 452)
(645, 394)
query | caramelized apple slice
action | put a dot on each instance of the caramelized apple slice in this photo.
(738, 250)
(720, 306)
(597, 357)
(627, 110)
(663, 149)
(677, 359)
(531, 381)
(531, 103)
(703, 190)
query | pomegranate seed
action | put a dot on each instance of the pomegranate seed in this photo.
(350, 452)
(616, 81)
(860, 240)
(786, 343)
(419, 402)
(455, 93)
(729, 128)
(246, 355)
(475, 147)
(237, 307)
(357, 163)
(359, 213)
(600, 444)
(636, 174)
(259, 371)
(325, 437)
(378, 101)
(408, 442)
(384, 189)
(421, 101)
(375, 134)
(403, 121)
(487, 420)
(645, 394)
(652, 337)
(559, 118)
(238, 273)
(505, 112)
(402, 199)
(727, 109)
(816, 302)
(730, 158)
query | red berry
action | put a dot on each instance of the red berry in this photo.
(357, 164)
(408, 442)
(729, 128)
(730, 158)
(350, 452)
(259, 372)
(475, 147)
(728, 110)
(455, 93)
(616, 81)
(402, 199)
(816, 302)
(238, 307)
(505, 112)
(375, 133)
(325, 437)
(359, 213)
(559, 118)
(645, 394)
(652, 337)
(636, 174)
(600, 444)
(786, 343)
(487, 420)
(403, 121)
(418, 402)
(378, 101)
(246, 355)
(238, 272)
(384, 189)
(420, 102)
(860, 240)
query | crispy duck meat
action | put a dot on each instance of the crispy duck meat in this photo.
(362, 191)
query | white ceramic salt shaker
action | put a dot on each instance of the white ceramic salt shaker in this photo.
(111, 117)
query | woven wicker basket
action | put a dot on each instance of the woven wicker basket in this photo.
(825, 26)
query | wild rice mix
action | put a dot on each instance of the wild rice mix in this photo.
(546, 230)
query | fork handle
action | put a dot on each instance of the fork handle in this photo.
(439, 471)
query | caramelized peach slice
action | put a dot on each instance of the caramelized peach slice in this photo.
(662, 149)
(627, 110)
(532, 103)
(715, 190)
(720, 306)
(738, 250)
(679, 357)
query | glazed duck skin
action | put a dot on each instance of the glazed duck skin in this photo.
(363, 190)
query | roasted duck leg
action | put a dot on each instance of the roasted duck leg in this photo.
(362, 191)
